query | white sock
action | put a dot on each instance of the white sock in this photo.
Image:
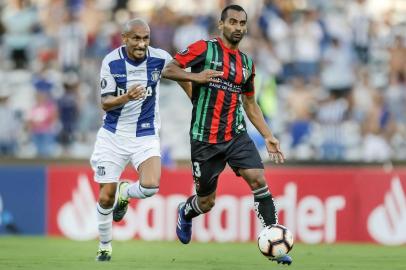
(105, 225)
(136, 190)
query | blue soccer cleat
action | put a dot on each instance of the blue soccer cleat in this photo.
(285, 259)
(183, 227)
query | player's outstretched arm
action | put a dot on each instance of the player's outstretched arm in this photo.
(173, 71)
(136, 91)
(256, 117)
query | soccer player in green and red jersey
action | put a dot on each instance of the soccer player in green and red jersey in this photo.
(223, 85)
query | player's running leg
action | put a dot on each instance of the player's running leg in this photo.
(183, 225)
(147, 186)
(193, 207)
(104, 220)
(122, 201)
(186, 212)
(205, 176)
(263, 202)
(103, 254)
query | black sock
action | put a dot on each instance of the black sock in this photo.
(265, 206)
(192, 208)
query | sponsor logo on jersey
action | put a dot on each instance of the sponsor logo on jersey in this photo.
(145, 125)
(136, 71)
(220, 83)
(121, 91)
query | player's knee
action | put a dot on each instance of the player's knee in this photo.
(254, 177)
(148, 191)
(257, 181)
(106, 200)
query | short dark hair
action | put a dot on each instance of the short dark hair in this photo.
(232, 7)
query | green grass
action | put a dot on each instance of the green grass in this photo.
(58, 254)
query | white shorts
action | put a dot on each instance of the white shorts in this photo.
(112, 153)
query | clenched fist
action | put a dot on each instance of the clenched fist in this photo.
(137, 91)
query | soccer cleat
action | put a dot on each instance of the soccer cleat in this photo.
(103, 255)
(183, 227)
(122, 204)
(285, 259)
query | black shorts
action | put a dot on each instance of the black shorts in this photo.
(209, 160)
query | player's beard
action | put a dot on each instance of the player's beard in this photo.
(234, 37)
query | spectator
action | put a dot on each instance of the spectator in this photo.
(331, 117)
(280, 33)
(395, 98)
(188, 32)
(337, 68)
(301, 104)
(378, 129)
(362, 97)
(72, 43)
(9, 125)
(360, 21)
(68, 111)
(42, 123)
(397, 62)
(308, 35)
(163, 29)
(20, 21)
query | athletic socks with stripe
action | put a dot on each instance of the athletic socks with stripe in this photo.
(264, 206)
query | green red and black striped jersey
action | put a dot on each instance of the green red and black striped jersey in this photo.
(217, 107)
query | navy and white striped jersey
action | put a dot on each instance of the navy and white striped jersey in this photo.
(118, 73)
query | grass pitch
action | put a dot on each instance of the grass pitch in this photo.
(56, 253)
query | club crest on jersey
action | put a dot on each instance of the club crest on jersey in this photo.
(155, 75)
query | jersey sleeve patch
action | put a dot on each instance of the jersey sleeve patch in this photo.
(193, 54)
(107, 82)
(103, 83)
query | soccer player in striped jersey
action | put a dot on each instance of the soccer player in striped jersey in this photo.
(218, 132)
(129, 83)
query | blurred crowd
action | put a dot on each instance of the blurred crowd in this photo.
(330, 74)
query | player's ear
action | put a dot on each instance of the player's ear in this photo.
(220, 25)
(124, 38)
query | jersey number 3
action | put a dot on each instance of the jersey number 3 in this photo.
(196, 169)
